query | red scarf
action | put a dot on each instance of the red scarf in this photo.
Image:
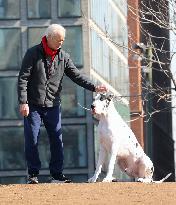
(48, 51)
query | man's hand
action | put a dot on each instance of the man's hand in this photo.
(24, 110)
(101, 88)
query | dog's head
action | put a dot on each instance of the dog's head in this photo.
(101, 103)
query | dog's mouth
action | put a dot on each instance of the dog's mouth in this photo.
(93, 111)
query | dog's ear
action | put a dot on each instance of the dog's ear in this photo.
(110, 96)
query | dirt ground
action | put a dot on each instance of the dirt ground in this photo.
(89, 194)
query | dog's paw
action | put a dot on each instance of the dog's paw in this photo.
(140, 180)
(92, 180)
(144, 180)
(108, 179)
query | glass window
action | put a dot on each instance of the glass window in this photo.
(122, 4)
(11, 148)
(39, 8)
(35, 35)
(9, 9)
(10, 48)
(8, 98)
(107, 63)
(75, 147)
(99, 13)
(69, 8)
(110, 21)
(72, 94)
(73, 44)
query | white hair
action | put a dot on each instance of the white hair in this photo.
(53, 29)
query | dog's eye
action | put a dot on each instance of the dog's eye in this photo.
(102, 97)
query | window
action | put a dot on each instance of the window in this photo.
(99, 13)
(10, 48)
(72, 94)
(75, 147)
(73, 44)
(39, 8)
(9, 9)
(11, 148)
(107, 63)
(122, 4)
(35, 35)
(8, 98)
(69, 8)
(110, 20)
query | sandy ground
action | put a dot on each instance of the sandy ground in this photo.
(89, 194)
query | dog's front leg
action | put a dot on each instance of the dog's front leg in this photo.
(101, 159)
(111, 165)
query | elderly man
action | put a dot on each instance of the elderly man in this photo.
(39, 89)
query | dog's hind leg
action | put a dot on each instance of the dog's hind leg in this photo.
(101, 159)
(146, 171)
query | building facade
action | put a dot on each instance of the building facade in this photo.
(97, 41)
(99, 38)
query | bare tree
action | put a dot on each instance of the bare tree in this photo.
(156, 20)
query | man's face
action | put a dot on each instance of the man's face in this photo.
(56, 41)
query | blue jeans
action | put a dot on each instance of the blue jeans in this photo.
(51, 117)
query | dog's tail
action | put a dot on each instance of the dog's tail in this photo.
(163, 179)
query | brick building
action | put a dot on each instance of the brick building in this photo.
(155, 132)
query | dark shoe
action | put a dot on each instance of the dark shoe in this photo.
(60, 178)
(32, 179)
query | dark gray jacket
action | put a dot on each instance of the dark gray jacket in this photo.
(39, 86)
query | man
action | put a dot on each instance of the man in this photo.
(39, 88)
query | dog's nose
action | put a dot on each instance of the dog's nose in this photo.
(92, 107)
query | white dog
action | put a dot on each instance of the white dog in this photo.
(117, 139)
